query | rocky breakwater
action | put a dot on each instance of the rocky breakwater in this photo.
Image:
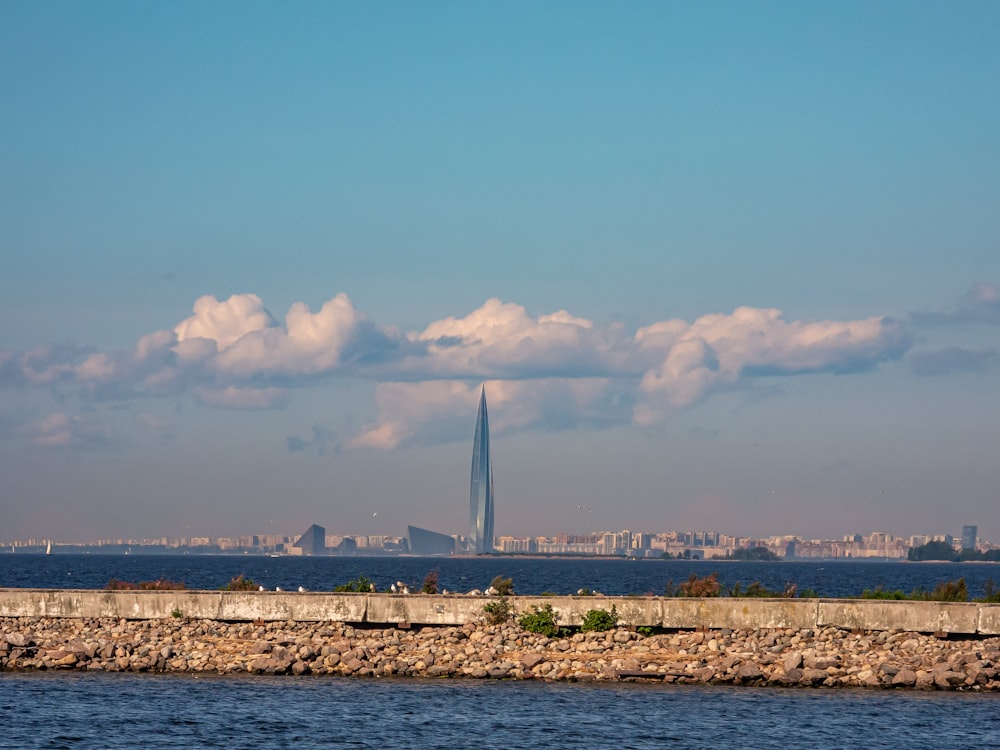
(829, 657)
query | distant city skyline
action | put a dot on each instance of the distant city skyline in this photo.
(720, 265)
(317, 540)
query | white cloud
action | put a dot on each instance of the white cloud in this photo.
(439, 410)
(224, 322)
(308, 344)
(502, 340)
(405, 408)
(548, 371)
(720, 349)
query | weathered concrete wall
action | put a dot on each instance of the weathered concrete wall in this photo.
(391, 609)
(989, 619)
(876, 614)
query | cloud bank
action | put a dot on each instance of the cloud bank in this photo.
(550, 371)
(980, 304)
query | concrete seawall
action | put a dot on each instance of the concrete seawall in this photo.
(967, 618)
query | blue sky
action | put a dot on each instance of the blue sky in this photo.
(723, 265)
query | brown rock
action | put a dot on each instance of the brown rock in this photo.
(790, 676)
(925, 680)
(826, 662)
(813, 676)
(532, 659)
(703, 674)
(69, 660)
(948, 679)
(792, 660)
(18, 639)
(904, 678)
(353, 664)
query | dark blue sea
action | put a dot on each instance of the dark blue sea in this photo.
(112, 711)
(530, 575)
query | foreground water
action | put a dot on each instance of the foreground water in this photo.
(157, 711)
(531, 575)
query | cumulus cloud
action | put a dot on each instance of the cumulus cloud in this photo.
(42, 365)
(502, 340)
(980, 304)
(553, 370)
(439, 410)
(225, 322)
(239, 340)
(227, 352)
(719, 349)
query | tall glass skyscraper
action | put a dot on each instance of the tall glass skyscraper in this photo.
(481, 485)
(969, 534)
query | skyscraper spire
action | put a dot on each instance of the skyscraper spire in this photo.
(481, 485)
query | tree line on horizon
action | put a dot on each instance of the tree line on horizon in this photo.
(945, 552)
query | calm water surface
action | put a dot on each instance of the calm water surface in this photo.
(164, 711)
(531, 575)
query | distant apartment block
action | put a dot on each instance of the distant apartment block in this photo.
(969, 536)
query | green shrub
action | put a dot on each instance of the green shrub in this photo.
(932, 551)
(644, 630)
(160, 584)
(758, 590)
(498, 611)
(541, 620)
(700, 586)
(808, 594)
(176, 613)
(600, 620)
(360, 584)
(430, 583)
(880, 593)
(991, 594)
(949, 591)
(503, 586)
(240, 583)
